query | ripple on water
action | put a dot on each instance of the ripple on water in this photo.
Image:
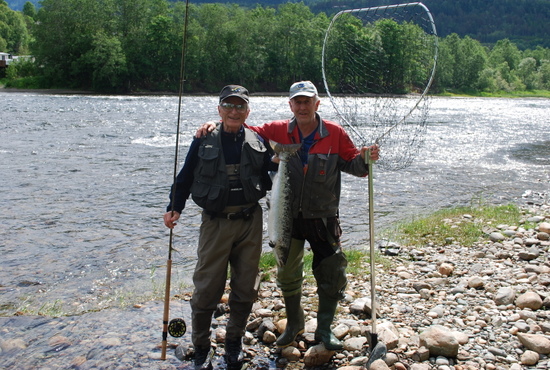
(537, 153)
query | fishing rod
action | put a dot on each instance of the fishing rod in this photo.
(175, 327)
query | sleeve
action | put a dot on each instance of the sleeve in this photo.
(181, 189)
(350, 156)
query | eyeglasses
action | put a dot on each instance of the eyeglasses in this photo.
(229, 107)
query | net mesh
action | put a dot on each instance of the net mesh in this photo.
(378, 64)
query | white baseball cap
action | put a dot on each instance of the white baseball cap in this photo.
(303, 88)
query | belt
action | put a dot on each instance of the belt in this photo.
(242, 214)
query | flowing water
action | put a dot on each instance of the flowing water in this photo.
(84, 184)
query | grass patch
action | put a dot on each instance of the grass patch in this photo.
(31, 82)
(358, 261)
(496, 94)
(463, 225)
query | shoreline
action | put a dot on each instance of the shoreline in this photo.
(252, 94)
(457, 287)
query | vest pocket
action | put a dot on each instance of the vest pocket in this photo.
(209, 197)
(209, 156)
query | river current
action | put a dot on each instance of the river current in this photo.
(84, 184)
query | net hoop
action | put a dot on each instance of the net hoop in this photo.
(426, 88)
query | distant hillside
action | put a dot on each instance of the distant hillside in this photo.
(524, 22)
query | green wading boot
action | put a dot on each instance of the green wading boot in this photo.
(295, 320)
(325, 315)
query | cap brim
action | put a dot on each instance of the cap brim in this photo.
(237, 96)
(308, 94)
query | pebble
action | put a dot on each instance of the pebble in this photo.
(487, 303)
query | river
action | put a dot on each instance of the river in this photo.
(85, 179)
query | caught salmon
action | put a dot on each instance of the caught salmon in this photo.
(280, 213)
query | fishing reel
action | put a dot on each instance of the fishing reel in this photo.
(177, 327)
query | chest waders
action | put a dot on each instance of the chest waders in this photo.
(331, 283)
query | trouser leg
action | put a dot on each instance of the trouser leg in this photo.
(289, 280)
(290, 276)
(209, 278)
(244, 260)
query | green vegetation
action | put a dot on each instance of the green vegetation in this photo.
(463, 225)
(358, 261)
(127, 45)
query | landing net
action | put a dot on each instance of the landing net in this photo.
(378, 64)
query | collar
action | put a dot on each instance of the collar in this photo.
(321, 128)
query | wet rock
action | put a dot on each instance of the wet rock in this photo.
(78, 361)
(8, 345)
(111, 342)
(269, 337)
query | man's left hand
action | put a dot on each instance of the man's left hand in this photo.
(374, 152)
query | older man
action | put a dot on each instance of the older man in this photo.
(226, 172)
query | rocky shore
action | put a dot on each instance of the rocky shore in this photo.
(484, 306)
(481, 306)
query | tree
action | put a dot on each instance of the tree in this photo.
(14, 36)
(445, 77)
(544, 74)
(505, 51)
(107, 62)
(65, 34)
(472, 62)
(29, 10)
(527, 72)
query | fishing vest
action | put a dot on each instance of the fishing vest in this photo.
(211, 184)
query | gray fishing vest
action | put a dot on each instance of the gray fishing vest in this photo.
(210, 189)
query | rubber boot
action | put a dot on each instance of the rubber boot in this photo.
(295, 320)
(203, 358)
(325, 315)
(234, 357)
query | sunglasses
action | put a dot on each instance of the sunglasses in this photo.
(229, 107)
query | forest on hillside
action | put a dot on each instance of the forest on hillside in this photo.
(524, 22)
(128, 46)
